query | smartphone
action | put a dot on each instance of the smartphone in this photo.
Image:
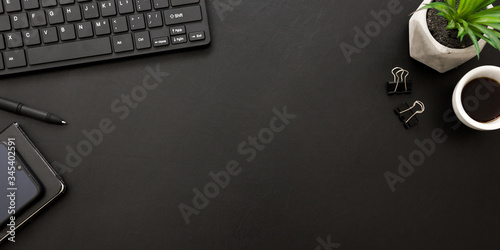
(19, 186)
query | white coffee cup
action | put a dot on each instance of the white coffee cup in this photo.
(492, 72)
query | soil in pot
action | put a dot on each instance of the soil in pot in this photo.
(437, 27)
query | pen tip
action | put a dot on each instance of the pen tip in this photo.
(64, 122)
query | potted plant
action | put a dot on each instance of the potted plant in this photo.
(474, 20)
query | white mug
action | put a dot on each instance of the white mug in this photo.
(492, 72)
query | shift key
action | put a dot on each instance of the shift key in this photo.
(182, 15)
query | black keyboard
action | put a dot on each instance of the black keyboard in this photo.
(42, 34)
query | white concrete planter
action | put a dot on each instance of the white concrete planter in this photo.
(425, 49)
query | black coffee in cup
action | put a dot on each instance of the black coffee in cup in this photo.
(481, 99)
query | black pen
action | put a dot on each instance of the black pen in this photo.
(21, 109)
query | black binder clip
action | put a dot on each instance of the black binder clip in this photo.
(399, 84)
(408, 114)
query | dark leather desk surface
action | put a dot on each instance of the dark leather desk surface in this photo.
(320, 179)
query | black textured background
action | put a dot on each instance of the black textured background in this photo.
(322, 176)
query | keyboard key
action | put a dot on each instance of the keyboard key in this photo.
(154, 19)
(30, 4)
(160, 41)
(108, 8)
(142, 40)
(143, 5)
(182, 15)
(160, 4)
(136, 22)
(125, 6)
(14, 40)
(68, 51)
(37, 18)
(49, 35)
(19, 21)
(2, 43)
(183, 2)
(120, 24)
(55, 16)
(179, 39)
(12, 5)
(196, 36)
(4, 23)
(101, 27)
(63, 2)
(14, 58)
(90, 11)
(84, 30)
(67, 32)
(73, 13)
(123, 43)
(31, 37)
(1, 60)
(178, 30)
(48, 3)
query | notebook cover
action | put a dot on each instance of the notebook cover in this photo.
(51, 182)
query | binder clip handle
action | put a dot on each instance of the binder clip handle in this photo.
(408, 114)
(399, 75)
(417, 102)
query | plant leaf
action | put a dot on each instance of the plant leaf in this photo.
(461, 33)
(474, 6)
(491, 36)
(462, 26)
(493, 25)
(466, 29)
(485, 19)
(474, 41)
(448, 11)
(461, 7)
(484, 13)
(485, 39)
(496, 8)
(484, 4)
(452, 25)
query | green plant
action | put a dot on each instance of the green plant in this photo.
(471, 18)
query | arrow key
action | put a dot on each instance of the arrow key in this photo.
(197, 36)
(179, 39)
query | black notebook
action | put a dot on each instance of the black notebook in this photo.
(28, 182)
